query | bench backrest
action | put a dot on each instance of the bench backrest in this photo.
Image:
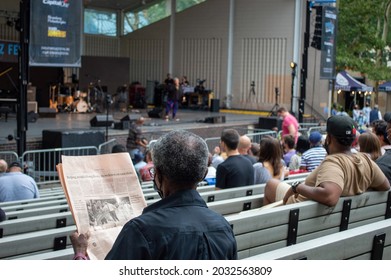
(259, 231)
(367, 242)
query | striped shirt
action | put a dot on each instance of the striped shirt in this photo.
(312, 158)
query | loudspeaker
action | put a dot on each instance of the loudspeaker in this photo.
(156, 113)
(215, 105)
(270, 123)
(102, 120)
(46, 112)
(131, 117)
(71, 138)
(218, 119)
(32, 117)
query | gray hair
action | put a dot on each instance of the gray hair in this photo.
(181, 156)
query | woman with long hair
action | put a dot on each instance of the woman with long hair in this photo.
(270, 163)
(369, 143)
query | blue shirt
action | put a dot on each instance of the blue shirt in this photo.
(178, 227)
(17, 186)
(312, 158)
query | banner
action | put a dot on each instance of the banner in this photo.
(329, 29)
(9, 51)
(55, 33)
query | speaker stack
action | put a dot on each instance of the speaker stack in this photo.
(102, 120)
(270, 123)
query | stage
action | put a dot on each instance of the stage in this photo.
(202, 122)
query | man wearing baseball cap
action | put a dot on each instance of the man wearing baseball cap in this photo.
(384, 162)
(341, 173)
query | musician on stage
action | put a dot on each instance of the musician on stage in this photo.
(174, 94)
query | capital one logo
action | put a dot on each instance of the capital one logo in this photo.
(59, 3)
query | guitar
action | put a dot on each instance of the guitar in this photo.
(52, 102)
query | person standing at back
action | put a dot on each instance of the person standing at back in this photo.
(374, 114)
(14, 185)
(289, 123)
(367, 110)
(236, 170)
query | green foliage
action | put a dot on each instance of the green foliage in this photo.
(360, 45)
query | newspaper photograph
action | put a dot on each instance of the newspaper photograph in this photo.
(103, 192)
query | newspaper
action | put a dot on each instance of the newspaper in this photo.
(103, 193)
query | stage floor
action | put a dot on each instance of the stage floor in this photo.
(188, 118)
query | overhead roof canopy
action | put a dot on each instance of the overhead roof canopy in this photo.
(385, 86)
(117, 4)
(345, 82)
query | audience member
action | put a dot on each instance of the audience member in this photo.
(3, 216)
(384, 162)
(118, 148)
(334, 109)
(369, 143)
(289, 123)
(14, 185)
(341, 173)
(375, 114)
(367, 110)
(244, 148)
(211, 170)
(270, 163)
(379, 127)
(236, 170)
(180, 226)
(288, 145)
(136, 143)
(254, 150)
(3, 166)
(218, 156)
(302, 145)
(144, 171)
(312, 158)
(356, 113)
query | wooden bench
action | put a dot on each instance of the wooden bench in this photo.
(367, 242)
(259, 231)
(36, 223)
(31, 242)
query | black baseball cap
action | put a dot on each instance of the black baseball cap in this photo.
(15, 164)
(341, 127)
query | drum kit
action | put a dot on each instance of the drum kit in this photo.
(71, 100)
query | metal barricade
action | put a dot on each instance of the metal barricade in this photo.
(106, 147)
(9, 157)
(41, 164)
(254, 136)
(321, 129)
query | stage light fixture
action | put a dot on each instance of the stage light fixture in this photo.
(293, 65)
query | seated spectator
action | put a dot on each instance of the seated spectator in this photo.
(254, 150)
(136, 143)
(144, 171)
(210, 177)
(3, 217)
(236, 170)
(118, 149)
(288, 144)
(379, 127)
(180, 226)
(312, 158)
(341, 173)
(218, 156)
(302, 145)
(244, 148)
(369, 143)
(3, 166)
(384, 162)
(270, 164)
(14, 185)
(138, 162)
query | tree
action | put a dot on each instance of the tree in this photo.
(363, 39)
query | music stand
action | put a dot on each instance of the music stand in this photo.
(273, 111)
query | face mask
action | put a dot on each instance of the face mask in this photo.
(326, 146)
(159, 191)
